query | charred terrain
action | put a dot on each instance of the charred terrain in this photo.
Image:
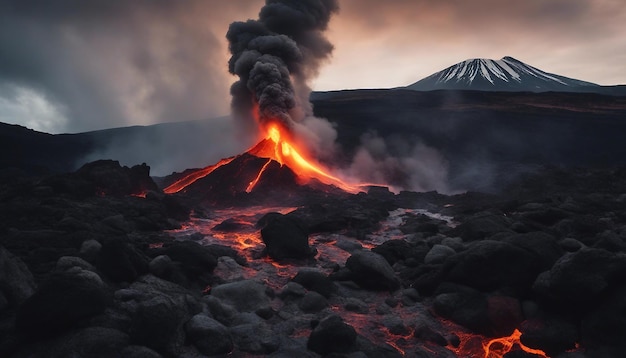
(106, 261)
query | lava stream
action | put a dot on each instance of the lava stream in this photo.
(187, 180)
(498, 347)
(286, 153)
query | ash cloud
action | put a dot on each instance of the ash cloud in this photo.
(274, 57)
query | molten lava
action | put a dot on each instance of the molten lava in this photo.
(185, 181)
(498, 347)
(286, 153)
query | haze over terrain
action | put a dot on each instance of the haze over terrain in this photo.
(73, 66)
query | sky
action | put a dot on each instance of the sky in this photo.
(76, 65)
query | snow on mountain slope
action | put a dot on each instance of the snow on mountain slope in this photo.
(506, 74)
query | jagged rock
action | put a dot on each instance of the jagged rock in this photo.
(158, 324)
(371, 270)
(315, 280)
(312, 302)
(16, 281)
(109, 178)
(61, 302)
(208, 335)
(245, 296)
(332, 335)
(286, 238)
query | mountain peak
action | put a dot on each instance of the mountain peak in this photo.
(506, 74)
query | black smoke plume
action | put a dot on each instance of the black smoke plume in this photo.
(274, 57)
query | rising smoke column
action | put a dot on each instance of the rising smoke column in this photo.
(274, 57)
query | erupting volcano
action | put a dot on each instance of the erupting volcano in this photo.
(275, 147)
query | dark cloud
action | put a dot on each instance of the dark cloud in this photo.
(274, 57)
(106, 63)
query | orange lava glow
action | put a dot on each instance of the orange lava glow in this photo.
(498, 347)
(256, 180)
(473, 345)
(286, 153)
(185, 181)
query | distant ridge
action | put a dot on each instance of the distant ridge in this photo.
(506, 74)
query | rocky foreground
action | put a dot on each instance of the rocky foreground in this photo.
(89, 267)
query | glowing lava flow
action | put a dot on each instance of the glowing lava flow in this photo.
(498, 347)
(185, 181)
(285, 153)
(256, 180)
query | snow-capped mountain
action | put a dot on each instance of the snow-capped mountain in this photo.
(506, 74)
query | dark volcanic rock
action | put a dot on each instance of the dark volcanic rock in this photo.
(605, 324)
(97, 342)
(245, 296)
(552, 335)
(208, 335)
(315, 281)
(400, 250)
(286, 238)
(62, 301)
(312, 302)
(545, 247)
(121, 261)
(104, 177)
(158, 324)
(579, 277)
(463, 305)
(424, 333)
(16, 281)
(483, 225)
(370, 270)
(492, 315)
(488, 265)
(193, 258)
(332, 335)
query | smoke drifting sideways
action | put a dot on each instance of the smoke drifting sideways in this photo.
(274, 57)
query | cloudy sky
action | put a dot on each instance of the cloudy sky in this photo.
(77, 65)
